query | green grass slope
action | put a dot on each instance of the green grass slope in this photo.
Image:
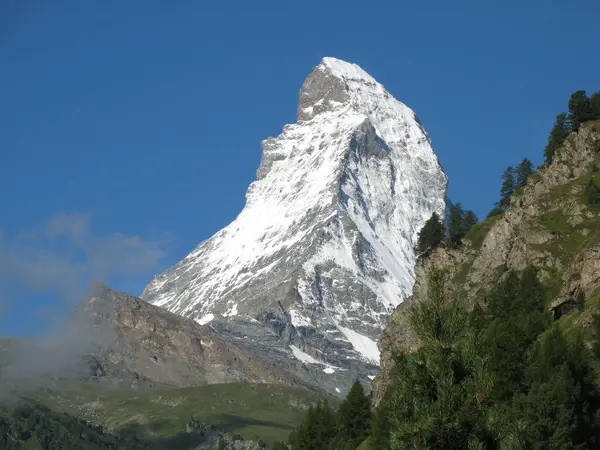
(254, 411)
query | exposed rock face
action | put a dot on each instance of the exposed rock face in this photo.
(548, 225)
(327, 232)
(212, 438)
(150, 345)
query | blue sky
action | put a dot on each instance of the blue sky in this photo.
(131, 129)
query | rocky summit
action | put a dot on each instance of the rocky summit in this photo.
(322, 252)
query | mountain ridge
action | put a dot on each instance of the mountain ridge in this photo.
(329, 225)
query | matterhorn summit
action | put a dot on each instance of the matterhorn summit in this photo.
(322, 252)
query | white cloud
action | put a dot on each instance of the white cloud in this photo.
(63, 255)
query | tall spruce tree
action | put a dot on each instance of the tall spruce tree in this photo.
(381, 421)
(353, 418)
(580, 109)
(557, 136)
(595, 105)
(508, 187)
(317, 429)
(523, 171)
(469, 219)
(431, 235)
(455, 224)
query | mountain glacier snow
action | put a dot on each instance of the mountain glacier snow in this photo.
(324, 244)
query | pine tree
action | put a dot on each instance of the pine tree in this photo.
(562, 405)
(353, 418)
(580, 109)
(595, 105)
(469, 219)
(431, 235)
(495, 211)
(316, 430)
(523, 171)
(439, 398)
(508, 187)
(557, 136)
(455, 224)
(517, 312)
(326, 420)
(381, 426)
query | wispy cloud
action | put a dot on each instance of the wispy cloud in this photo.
(63, 255)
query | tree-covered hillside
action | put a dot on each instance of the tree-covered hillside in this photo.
(32, 426)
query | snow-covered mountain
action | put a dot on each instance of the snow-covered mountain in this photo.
(328, 229)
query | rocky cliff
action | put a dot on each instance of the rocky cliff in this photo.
(147, 345)
(549, 225)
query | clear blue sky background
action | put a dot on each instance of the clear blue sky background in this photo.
(131, 129)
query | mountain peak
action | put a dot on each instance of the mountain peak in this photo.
(336, 85)
(344, 70)
(323, 250)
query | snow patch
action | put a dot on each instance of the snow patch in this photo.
(304, 357)
(307, 359)
(298, 320)
(362, 344)
(205, 319)
(232, 311)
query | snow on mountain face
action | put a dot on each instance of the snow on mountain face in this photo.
(328, 228)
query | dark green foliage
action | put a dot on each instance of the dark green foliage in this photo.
(488, 381)
(279, 446)
(596, 333)
(523, 171)
(592, 192)
(514, 317)
(580, 109)
(459, 223)
(346, 428)
(557, 136)
(495, 211)
(35, 426)
(508, 187)
(455, 224)
(317, 430)
(440, 395)
(353, 418)
(431, 235)
(562, 404)
(595, 105)
(469, 219)
(546, 383)
(580, 300)
(381, 425)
